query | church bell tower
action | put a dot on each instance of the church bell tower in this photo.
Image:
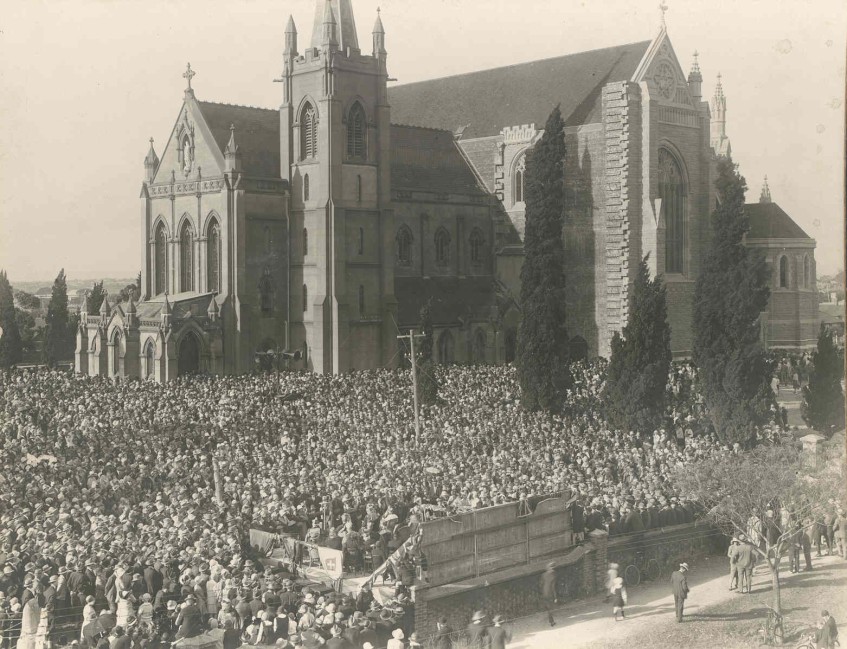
(334, 151)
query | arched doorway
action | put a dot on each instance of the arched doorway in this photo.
(578, 349)
(189, 355)
(479, 347)
(511, 344)
(445, 348)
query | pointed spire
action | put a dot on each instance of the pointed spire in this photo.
(766, 192)
(291, 37)
(151, 162)
(130, 305)
(213, 311)
(378, 36)
(719, 139)
(345, 24)
(232, 158)
(695, 80)
(85, 304)
(329, 39)
(105, 307)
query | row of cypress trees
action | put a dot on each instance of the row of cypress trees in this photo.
(731, 292)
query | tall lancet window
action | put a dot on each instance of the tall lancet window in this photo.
(520, 170)
(160, 259)
(672, 193)
(356, 132)
(308, 132)
(213, 257)
(186, 257)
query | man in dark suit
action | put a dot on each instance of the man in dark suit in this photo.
(189, 620)
(152, 577)
(498, 635)
(476, 631)
(679, 586)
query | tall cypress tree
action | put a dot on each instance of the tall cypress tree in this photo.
(823, 398)
(11, 348)
(95, 298)
(427, 383)
(637, 376)
(730, 295)
(542, 354)
(58, 337)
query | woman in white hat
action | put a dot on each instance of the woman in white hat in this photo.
(396, 641)
(618, 598)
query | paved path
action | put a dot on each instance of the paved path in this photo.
(590, 624)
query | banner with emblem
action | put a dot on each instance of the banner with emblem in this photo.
(331, 561)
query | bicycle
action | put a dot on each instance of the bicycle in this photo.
(806, 642)
(648, 569)
(773, 633)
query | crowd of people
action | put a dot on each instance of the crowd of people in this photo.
(130, 499)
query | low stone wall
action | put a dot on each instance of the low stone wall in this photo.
(580, 573)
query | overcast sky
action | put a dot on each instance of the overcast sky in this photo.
(85, 83)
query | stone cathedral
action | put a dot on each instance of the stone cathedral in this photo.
(324, 226)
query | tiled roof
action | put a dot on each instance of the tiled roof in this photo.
(425, 158)
(452, 298)
(256, 133)
(182, 304)
(518, 94)
(769, 221)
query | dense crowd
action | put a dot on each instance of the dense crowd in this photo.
(108, 508)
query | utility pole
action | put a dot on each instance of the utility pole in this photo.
(412, 335)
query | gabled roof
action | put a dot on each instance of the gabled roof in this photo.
(425, 158)
(517, 94)
(769, 221)
(181, 304)
(256, 131)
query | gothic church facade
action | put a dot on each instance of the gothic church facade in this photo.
(324, 226)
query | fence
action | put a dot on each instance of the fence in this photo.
(493, 539)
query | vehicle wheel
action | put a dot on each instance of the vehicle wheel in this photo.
(632, 576)
(653, 570)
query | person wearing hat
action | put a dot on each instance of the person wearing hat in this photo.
(189, 622)
(733, 553)
(499, 635)
(548, 591)
(396, 641)
(746, 562)
(679, 587)
(476, 631)
(619, 598)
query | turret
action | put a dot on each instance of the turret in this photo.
(130, 312)
(765, 197)
(213, 311)
(166, 313)
(695, 80)
(379, 37)
(720, 142)
(105, 309)
(232, 158)
(151, 163)
(83, 308)
(290, 38)
(329, 38)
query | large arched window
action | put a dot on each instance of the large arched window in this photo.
(520, 172)
(116, 353)
(308, 132)
(357, 132)
(213, 257)
(404, 246)
(477, 241)
(672, 193)
(160, 259)
(783, 272)
(149, 359)
(442, 247)
(445, 348)
(807, 272)
(186, 257)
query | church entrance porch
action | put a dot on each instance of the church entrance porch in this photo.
(188, 358)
